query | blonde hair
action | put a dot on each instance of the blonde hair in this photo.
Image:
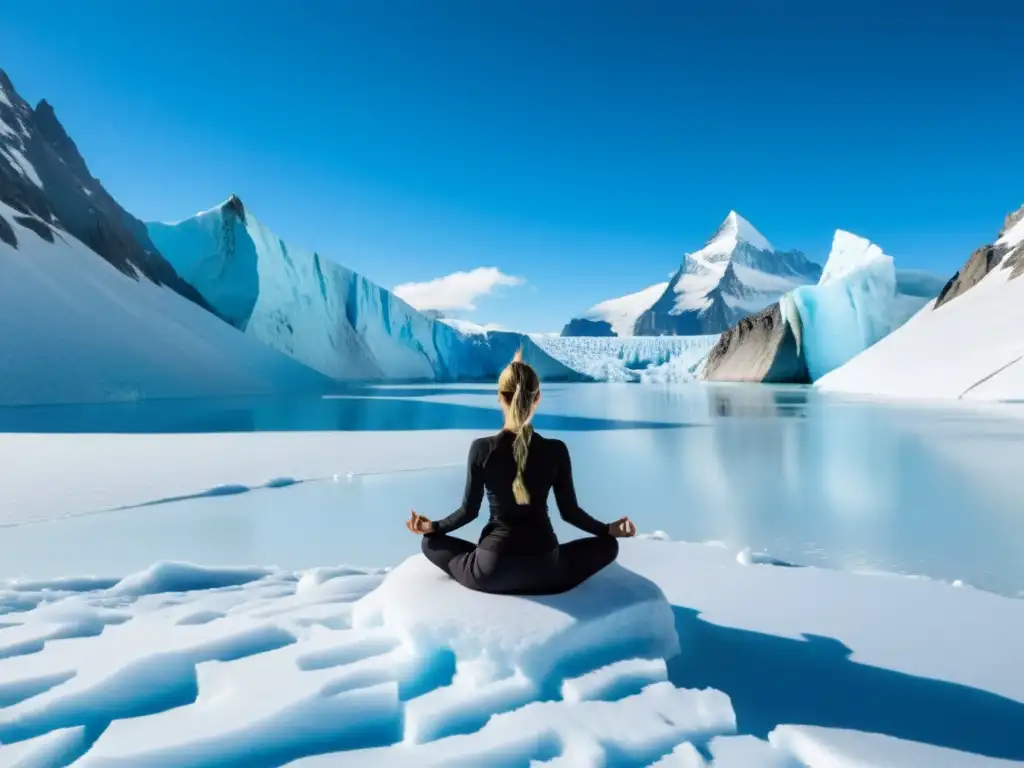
(518, 387)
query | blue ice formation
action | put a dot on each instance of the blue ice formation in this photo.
(324, 315)
(859, 300)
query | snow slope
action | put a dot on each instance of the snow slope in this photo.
(653, 661)
(969, 347)
(646, 359)
(615, 317)
(322, 314)
(76, 329)
(736, 274)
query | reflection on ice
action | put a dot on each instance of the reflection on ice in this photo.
(809, 479)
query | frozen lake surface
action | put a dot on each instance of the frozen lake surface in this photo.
(810, 479)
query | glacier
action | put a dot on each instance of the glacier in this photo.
(851, 306)
(645, 359)
(324, 315)
(78, 330)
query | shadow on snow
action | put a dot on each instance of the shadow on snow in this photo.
(775, 680)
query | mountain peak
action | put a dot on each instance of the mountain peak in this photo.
(235, 205)
(739, 230)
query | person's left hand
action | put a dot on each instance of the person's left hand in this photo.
(623, 528)
(417, 523)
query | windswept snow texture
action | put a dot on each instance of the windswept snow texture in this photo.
(666, 359)
(322, 314)
(861, 299)
(615, 317)
(673, 656)
(736, 274)
(77, 330)
(969, 347)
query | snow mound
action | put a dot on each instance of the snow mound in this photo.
(648, 359)
(184, 577)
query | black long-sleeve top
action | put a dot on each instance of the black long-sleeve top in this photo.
(515, 528)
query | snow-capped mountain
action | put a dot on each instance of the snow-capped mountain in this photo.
(615, 317)
(46, 182)
(324, 315)
(966, 345)
(736, 274)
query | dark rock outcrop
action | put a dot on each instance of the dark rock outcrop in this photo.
(760, 348)
(44, 177)
(7, 233)
(985, 260)
(40, 228)
(582, 326)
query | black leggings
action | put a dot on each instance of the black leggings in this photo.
(549, 573)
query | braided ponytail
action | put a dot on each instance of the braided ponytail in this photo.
(519, 387)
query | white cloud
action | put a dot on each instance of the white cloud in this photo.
(457, 291)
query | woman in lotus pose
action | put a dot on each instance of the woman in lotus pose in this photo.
(518, 552)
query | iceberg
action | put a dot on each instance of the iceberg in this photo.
(325, 316)
(850, 308)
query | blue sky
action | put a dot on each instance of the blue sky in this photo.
(580, 145)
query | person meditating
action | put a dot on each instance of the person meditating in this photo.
(518, 552)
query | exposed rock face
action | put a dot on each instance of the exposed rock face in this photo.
(761, 348)
(1004, 252)
(44, 177)
(980, 263)
(7, 233)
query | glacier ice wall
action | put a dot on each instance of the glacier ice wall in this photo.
(324, 315)
(647, 359)
(860, 299)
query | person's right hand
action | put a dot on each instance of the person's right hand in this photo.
(622, 528)
(417, 523)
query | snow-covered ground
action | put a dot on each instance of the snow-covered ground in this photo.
(678, 653)
(681, 654)
(651, 359)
